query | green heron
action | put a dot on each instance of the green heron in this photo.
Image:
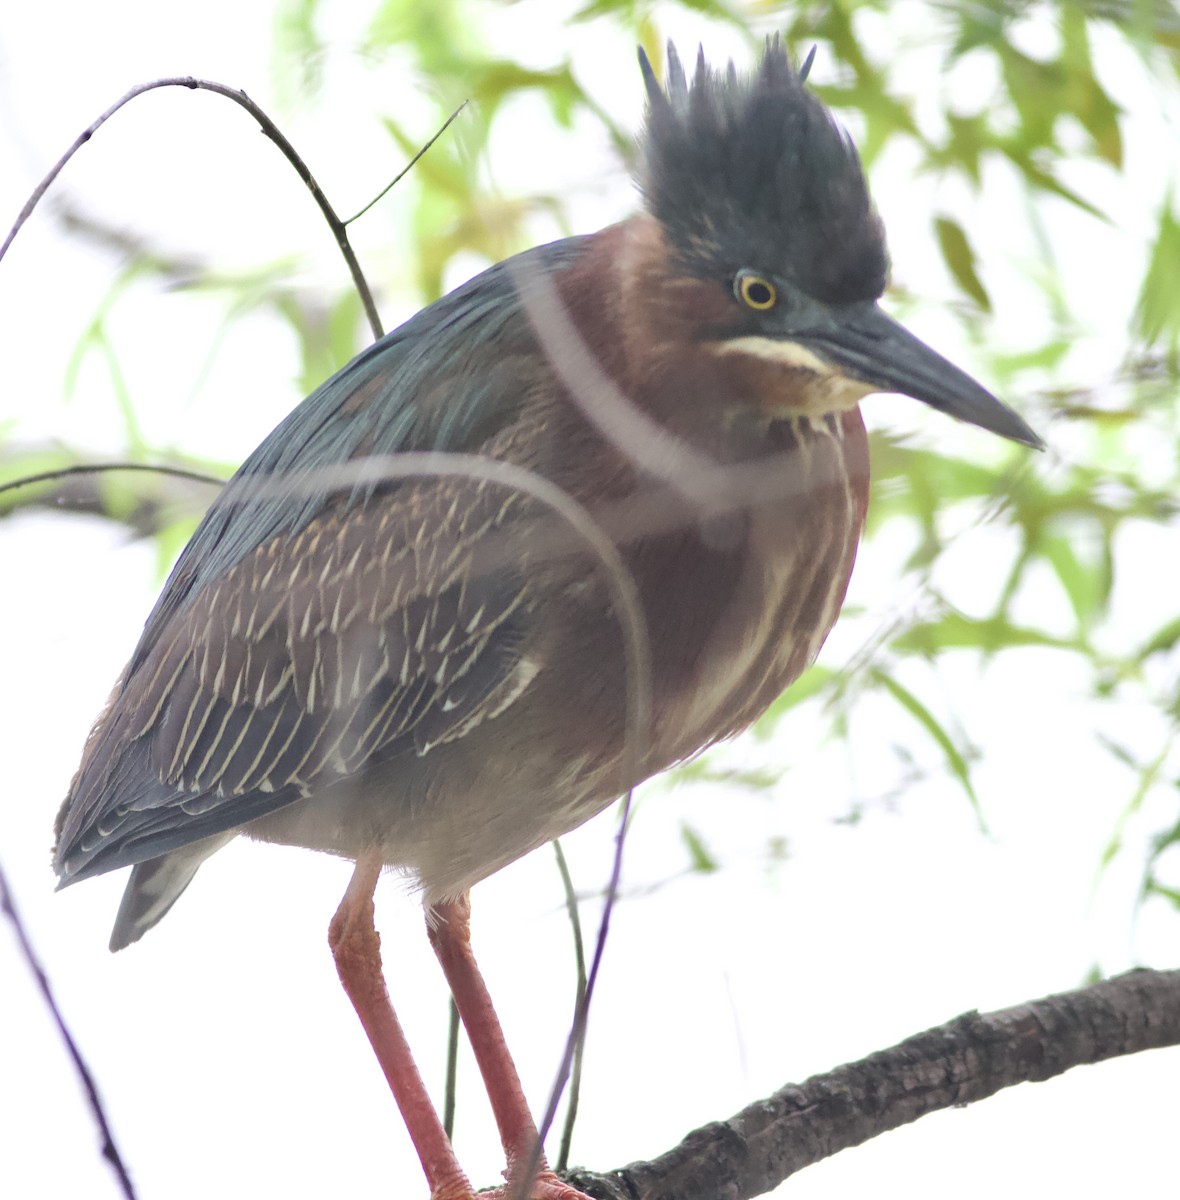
(412, 671)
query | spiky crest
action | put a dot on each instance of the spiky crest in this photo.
(753, 171)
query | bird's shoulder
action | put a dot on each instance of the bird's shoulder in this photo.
(451, 378)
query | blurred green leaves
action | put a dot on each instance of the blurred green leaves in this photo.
(1157, 310)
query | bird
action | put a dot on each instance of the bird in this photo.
(376, 647)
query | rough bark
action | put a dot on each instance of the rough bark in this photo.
(967, 1059)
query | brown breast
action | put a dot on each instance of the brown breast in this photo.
(740, 607)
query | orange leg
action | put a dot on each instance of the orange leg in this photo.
(356, 946)
(448, 925)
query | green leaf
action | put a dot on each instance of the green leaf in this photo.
(1154, 888)
(1157, 310)
(1084, 96)
(955, 631)
(699, 855)
(1038, 174)
(968, 137)
(1162, 640)
(960, 260)
(811, 683)
(955, 759)
(1086, 587)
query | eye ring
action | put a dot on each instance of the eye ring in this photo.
(755, 291)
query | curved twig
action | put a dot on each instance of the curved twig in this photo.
(100, 468)
(272, 131)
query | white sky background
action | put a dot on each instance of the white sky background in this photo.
(227, 1055)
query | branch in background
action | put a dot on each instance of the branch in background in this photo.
(76, 489)
(967, 1059)
(176, 269)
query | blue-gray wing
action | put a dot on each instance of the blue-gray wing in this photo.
(450, 378)
(303, 637)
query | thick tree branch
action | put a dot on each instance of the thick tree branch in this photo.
(967, 1059)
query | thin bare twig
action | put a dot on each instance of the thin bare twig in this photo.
(448, 1117)
(571, 904)
(109, 1150)
(406, 169)
(100, 468)
(272, 131)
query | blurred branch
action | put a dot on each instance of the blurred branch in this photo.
(176, 269)
(76, 489)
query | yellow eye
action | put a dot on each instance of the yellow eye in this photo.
(755, 291)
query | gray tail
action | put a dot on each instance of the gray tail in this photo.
(156, 885)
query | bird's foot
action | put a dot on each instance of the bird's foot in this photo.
(545, 1187)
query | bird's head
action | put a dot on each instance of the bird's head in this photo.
(773, 251)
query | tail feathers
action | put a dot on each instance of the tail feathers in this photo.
(156, 885)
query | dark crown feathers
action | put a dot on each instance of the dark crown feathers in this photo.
(755, 172)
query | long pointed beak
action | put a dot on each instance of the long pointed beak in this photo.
(868, 345)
